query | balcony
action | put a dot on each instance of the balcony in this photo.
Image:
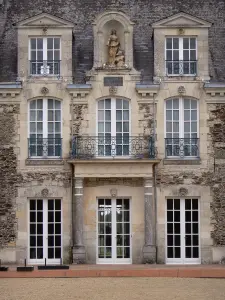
(181, 67)
(182, 148)
(134, 147)
(44, 148)
(45, 67)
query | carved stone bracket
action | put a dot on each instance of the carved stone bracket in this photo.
(147, 92)
(215, 89)
(10, 90)
(79, 91)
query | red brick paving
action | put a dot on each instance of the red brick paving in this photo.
(82, 271)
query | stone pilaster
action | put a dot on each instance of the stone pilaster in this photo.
(79, 254)
(149, 250)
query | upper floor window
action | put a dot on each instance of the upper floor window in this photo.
(113, 127)
(45, 56)
(45, 129)
(181, 56)
(181, 127)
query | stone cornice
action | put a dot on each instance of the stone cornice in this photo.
(79, 91)
(10, 90)
(147, 91)
(215, 90)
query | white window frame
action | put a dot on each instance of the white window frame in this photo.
(45, 50)
(45, 123)
(113, 121)
(181, 54)
(181, 121)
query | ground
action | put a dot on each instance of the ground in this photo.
(112, 288)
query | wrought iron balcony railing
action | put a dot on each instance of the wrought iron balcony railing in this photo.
(87, 147)
(45, 67)
(181, 67)
(44, 147)
(182, 148)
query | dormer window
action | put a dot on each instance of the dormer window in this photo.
(45, 56)
(181, 56)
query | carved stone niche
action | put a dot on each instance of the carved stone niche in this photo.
(103, 27)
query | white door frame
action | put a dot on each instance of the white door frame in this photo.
(45, 234)
(182, 259)
(113, 259)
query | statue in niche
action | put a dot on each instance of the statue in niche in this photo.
(116, 56)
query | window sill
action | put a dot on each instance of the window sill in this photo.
(180, 161)
(44, 161)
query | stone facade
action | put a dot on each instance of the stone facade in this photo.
(146, 179)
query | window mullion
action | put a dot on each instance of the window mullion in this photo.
(113, 117)
(44, 48)
(181, 49)
(181, 116)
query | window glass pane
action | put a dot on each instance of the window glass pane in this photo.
(33, 43)
(192, 43)
(108, 127)
(185, 55)
(50, 115)
(56, 43)
(57, 115)
(40, 43)
(57, 127)
(101, 115)
(186, 43)
(194, 115)
(101, 104)
(176, 115)
(175, 43)
(50, 127)
(187, 127)
(100, 127)
(186, 115)
(192, 55)
(50, 55)
(118, 126)
(33, 115)
(56, 55)
(125, 104)
(49, 43)
(175, 103)
(169, 104)
(39, 127)
(39, 55)
(186, 104)
(169, 115)
(176, 55)
(169, 43)
(108, 115)
(194, 126)
(118, 104)
(193, 104)
(169, 126)
(107, 103)
(175, 127)
(126, 115)
(169, 55)
(32, 127)
(125, 126)
(33, 55)
(50, 103)
(119, 115)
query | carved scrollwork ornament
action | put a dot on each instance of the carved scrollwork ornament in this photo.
(181, 90)
(113, 192)
(112, 90)
(183, 192)
(44, 192)
(44, 90)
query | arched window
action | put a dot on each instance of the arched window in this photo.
(181, 127)
(113, 127)
(45, 129)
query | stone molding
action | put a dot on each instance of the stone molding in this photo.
(79, 92)
(10, 90)
(43, 162)
(147, 92)
(94, 182)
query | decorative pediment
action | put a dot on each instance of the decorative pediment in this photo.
(181, 20)
(147, 91)
(44, 20)
(79, 91)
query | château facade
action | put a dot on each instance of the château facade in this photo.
(110, 156)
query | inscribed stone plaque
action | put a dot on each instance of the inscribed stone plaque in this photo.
(113, 81)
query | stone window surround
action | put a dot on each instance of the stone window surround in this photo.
(40, 160)
(174, 159)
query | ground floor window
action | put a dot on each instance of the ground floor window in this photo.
(45, 230)
(182, 230)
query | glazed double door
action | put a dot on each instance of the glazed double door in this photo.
(182, 231)
(113, 231)
(45, 231)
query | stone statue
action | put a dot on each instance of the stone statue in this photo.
(115, 54)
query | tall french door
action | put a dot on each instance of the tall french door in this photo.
(182, 231)
(113, 231)
(45, 231)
